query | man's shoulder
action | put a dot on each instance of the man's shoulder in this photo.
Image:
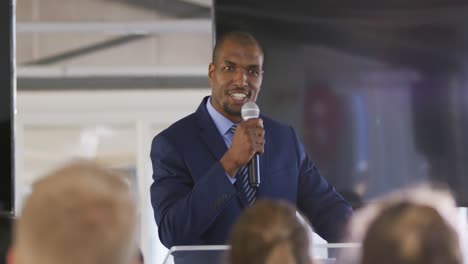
(182, 126)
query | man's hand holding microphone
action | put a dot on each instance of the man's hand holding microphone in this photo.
(247, 143)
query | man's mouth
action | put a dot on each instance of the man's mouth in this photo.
(239, 96)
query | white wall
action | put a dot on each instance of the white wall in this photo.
(113, 127)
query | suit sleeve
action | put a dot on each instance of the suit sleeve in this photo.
(184, 210)
(327, 211)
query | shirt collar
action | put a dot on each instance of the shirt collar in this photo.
(222, 123)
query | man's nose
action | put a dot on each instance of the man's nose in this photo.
(240, 77)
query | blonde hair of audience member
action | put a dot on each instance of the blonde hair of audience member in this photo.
(78, 214)
(406, 233)
(269, 232)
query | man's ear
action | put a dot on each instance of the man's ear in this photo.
(10, 257)
(211, 69)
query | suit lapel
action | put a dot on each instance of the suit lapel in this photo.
(209, 133)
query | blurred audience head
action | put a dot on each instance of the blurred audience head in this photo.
(80, 213)
(5, 235)
(413, 226)
(269, 232)
(140, 258)
(406, 233)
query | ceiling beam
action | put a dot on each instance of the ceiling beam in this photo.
(173, 26)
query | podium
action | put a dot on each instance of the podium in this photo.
(217, 254)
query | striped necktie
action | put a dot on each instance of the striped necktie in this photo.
(242, 175)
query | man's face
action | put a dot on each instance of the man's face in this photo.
(235, 78)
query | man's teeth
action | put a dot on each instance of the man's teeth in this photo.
(239, 96)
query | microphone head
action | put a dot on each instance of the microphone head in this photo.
(250, 110)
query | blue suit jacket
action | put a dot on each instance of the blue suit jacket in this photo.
(195, 203)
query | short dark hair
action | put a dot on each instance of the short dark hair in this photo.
(6, 223)
(241, 37)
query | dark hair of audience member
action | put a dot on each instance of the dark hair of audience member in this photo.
(269, 232)
(5, 235)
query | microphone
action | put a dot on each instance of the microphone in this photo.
(250, 110)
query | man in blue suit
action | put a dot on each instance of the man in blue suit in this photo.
(198, 162)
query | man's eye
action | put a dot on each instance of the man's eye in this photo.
(254, 72)
(228, 68)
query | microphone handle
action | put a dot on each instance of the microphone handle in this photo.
(254, 171)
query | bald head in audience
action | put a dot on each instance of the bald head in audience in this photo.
(269, 232)
(78, 214)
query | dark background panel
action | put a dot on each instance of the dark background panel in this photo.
(377, 90)
(6, 107)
